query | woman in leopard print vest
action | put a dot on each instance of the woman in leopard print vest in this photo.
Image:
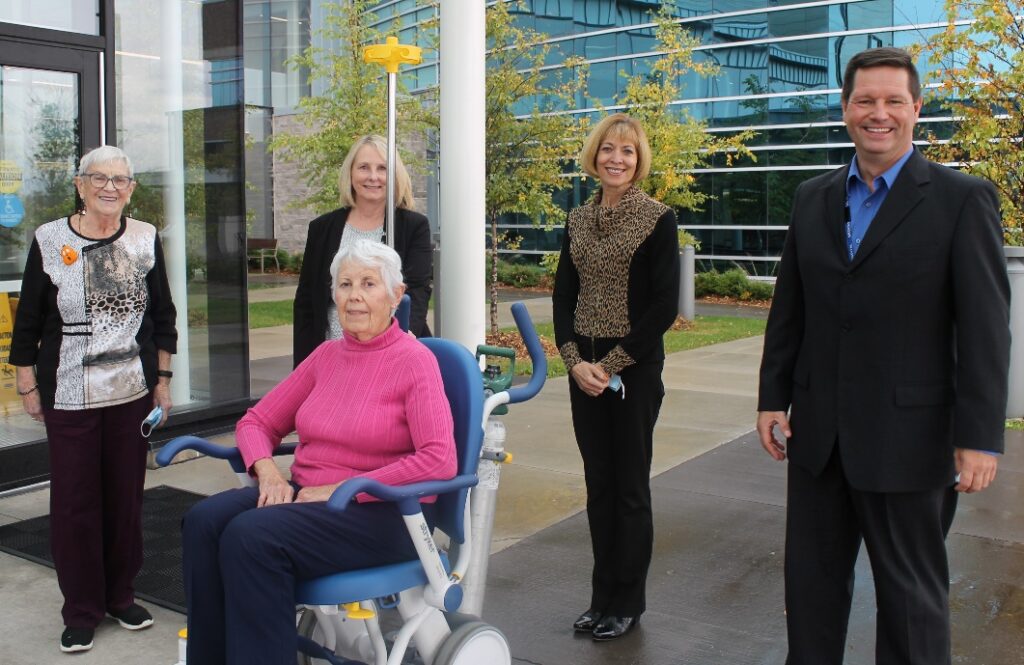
(616, 293)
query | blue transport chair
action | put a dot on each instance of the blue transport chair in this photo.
(339, 614)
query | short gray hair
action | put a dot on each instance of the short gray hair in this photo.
(102, 155)
(372, 254)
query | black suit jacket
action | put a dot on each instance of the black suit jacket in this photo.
(902, 354)
(313, 296)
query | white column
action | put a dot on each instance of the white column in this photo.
(462, 163)
(173, 235)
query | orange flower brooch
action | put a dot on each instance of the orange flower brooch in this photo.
(68, 254)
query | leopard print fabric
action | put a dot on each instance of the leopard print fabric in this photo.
(602, 244)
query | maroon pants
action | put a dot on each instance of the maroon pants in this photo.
(97, 471)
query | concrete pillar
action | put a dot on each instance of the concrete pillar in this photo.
(687, 307)
(462, 171)
(1015, 268)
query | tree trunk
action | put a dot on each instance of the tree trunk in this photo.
(494, 273)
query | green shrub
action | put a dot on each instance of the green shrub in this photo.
(290, 262)
(520, 275)
(550, 264)
(731, 284)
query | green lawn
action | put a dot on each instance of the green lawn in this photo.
(267, 314)
(1015, 424)
(707, 330)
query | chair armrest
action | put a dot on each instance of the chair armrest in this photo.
(210, 449)
(406, 496)
(540, 361)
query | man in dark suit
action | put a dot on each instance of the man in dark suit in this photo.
(888, 343)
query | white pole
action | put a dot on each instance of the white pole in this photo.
(462, 159)
(173, 235)
(389, 217)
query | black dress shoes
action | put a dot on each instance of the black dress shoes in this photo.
(613, 627)
(587, 621)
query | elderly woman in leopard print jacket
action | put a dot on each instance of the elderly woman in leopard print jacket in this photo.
(616, 293)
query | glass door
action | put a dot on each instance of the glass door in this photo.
(49, 111)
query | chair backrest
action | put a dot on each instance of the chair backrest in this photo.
(463, 386)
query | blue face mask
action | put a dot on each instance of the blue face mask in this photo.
(615, 384)
(151, 421)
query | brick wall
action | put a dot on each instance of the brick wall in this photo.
(290, 221)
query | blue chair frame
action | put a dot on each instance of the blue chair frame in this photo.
(464, 390)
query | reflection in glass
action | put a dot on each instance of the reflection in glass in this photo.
(179, 112)
(39, 146)
(80, 16)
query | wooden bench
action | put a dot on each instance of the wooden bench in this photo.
(261, 248)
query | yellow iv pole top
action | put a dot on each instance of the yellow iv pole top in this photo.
(391, 54)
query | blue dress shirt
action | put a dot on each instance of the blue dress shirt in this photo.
(862, 204)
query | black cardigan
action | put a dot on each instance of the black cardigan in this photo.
(313, 296)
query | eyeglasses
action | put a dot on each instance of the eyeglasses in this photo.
(100, 180)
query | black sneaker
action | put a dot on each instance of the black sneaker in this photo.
(133, 617)
(76, 639)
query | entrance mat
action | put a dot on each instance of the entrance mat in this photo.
(159, 581)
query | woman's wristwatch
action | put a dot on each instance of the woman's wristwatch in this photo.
(165, 373)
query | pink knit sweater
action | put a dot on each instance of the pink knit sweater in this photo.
(375, 409)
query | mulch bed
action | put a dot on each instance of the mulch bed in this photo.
(724, 300)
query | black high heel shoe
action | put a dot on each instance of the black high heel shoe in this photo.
(612, 627)
(586, 621)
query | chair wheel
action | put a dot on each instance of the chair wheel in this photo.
(307, 627)
(473, 643)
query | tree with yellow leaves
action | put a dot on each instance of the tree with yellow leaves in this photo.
(679, 142)
(528, 140)
(980, 67)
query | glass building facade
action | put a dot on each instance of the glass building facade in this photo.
(780, 73)
(163, 81)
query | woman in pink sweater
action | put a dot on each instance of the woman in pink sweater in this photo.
(370, 404)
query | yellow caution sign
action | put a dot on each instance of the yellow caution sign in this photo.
(8, 377)
(10, 177)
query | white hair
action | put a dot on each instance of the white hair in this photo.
(103, 155)
(371, 254)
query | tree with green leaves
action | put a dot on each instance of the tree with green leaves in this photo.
(526, 147)
(353, 104)
(679, 142)
(980, 68)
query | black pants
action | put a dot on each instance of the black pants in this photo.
(615, 437)
(97, 472)
(905, 534)
(241, 563)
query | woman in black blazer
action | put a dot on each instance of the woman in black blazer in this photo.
(362, 183)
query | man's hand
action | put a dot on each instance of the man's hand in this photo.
(766, 422)
(274, 489)
(590, 378)
(977, 469)
(317, 493)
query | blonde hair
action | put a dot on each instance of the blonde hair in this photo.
(403, 185)
(622, 127)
